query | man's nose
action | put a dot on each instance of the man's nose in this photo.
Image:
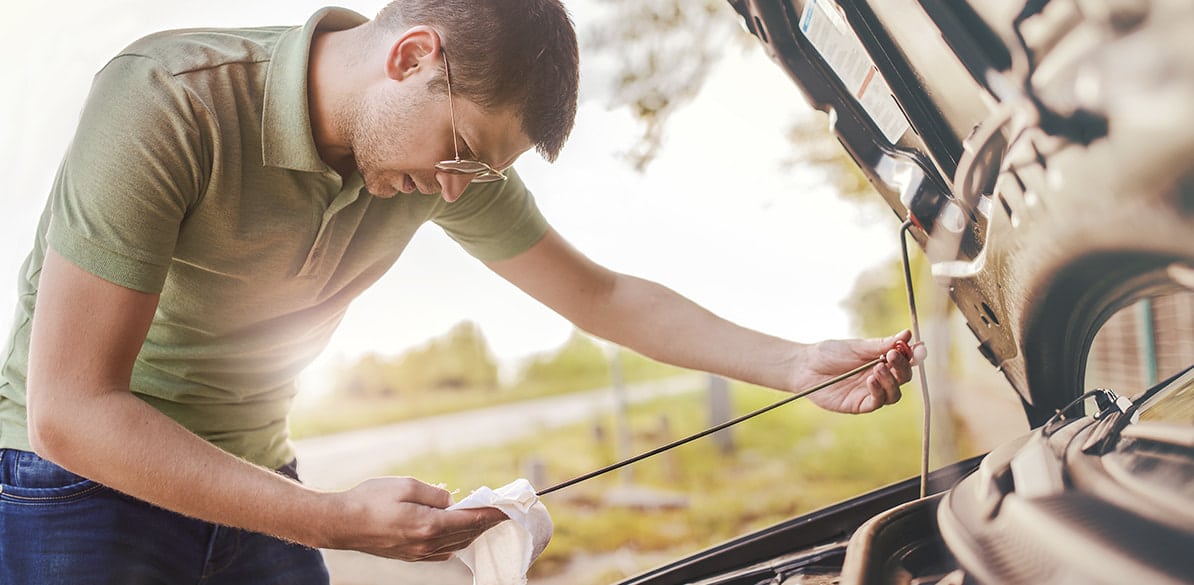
(452, 185)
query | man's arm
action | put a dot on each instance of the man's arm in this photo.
(87, 333)
(659, 323)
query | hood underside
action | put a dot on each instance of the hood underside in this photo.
(1041, 158)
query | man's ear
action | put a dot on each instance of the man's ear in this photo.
(418, 47)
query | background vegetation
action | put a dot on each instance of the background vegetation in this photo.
(782, 464)
(457, 371)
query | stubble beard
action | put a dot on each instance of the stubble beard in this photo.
(373, 145)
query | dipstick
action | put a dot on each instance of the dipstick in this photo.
(900, 346)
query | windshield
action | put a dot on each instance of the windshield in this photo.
(1174, 405)
(1140, 346)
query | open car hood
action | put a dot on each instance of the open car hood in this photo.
(1041, 154)
(1040, 150)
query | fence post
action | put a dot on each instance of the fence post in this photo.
(536, 472)
(720, 411)
(621, 411)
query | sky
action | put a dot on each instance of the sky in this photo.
(717, 217)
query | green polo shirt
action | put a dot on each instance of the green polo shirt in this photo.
(194, 174)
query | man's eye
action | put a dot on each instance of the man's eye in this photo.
(466, 152)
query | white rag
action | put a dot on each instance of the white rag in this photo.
(503, 554)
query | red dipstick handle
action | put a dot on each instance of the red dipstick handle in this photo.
(902, 347)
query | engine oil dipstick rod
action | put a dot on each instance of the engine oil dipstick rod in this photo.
(900, 346)
(920, 368)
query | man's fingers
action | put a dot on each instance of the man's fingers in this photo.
(898, 366)
(458, 528)
(868, 404)
(417, 492)
(404, 518)
(440, 533)
(472, 521)
(919, 353)
(486, 517)
(888, 384)
(877, 395)
(492, 516)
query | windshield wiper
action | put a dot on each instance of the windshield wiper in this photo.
(1162, 415)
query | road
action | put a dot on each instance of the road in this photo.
(342, 460)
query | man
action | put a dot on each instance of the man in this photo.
(227, 194)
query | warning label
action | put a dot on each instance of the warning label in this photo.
(827, 31)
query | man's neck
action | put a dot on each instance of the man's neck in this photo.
(330, 79)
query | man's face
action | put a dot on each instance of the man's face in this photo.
(403, 129)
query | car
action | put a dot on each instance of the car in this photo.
(1041, 156)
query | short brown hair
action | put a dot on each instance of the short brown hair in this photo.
(505, 53)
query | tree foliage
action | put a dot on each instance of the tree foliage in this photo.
(878, 303)
(665, 50)
(814, 146)
(460, 359)
(580, 358)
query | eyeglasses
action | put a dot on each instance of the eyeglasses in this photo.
(482, 172)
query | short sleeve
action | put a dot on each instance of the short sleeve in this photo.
(494, 221)
(132, 171)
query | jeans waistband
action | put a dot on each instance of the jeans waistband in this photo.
(11, 459)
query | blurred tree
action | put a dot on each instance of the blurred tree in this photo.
(878, 303)
(814, 145)
(579, 359)
(369, 377)
(459, 359)
(463, 360)
(664, 50)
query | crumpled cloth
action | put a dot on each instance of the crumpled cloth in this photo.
(503, 554)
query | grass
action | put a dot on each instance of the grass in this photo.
(785, 463)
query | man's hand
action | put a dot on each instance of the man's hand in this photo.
(866, 391)
(404, 518)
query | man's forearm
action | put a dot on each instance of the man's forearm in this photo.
(647, 317)
(116, 439)
(86, 335)
(664, 325)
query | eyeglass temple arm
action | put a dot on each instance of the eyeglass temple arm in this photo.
(451, 109)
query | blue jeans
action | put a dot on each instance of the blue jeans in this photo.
(59, 528)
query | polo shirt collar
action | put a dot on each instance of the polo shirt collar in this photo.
(286, 137)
